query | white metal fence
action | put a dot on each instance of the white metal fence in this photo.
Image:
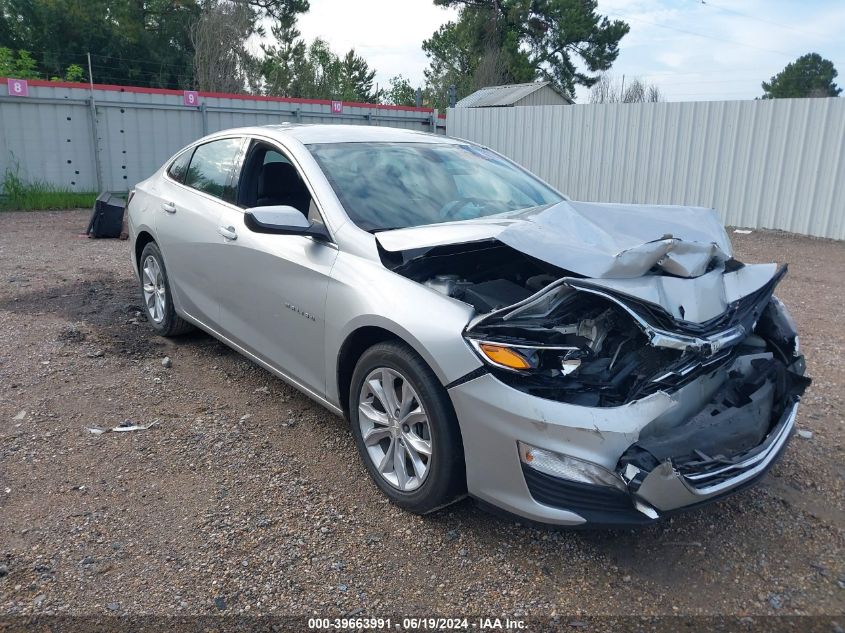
(776, 164)
(50, 133)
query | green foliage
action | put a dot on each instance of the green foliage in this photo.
(21, 195)
(454, 58)
(74, 72)
(24, 66)
(278, 65)
(808, 76)
(141, 42)
(178, 44)
(316, 72)
(513, 41)
(400, 93)
(356, 79)
(20, 66)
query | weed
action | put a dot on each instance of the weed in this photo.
(18, 194)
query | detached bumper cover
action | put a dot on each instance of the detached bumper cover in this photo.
(665, 488)
(712, 437)
(599, 505)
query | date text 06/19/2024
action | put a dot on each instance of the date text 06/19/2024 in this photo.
(415, 624)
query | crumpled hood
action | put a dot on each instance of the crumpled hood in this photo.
(598, 240)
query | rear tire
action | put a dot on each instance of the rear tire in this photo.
(405, 429)
(156, 295)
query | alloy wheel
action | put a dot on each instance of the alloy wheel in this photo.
(395, 429)
(155, 294)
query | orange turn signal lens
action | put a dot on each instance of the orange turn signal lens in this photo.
(504, 356)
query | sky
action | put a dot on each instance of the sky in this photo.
(692, 50)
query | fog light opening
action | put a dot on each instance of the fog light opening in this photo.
(568, 467)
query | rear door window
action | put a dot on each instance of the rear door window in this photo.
(211, 168)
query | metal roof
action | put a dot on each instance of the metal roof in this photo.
(503, 95)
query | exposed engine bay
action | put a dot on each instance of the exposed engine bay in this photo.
(561, 336)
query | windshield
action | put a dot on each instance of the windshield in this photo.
(396, 185)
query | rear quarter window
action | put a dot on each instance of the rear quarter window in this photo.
(179, 167)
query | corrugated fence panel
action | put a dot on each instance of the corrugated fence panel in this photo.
(51, 141)
(50, 134)
(763, 164)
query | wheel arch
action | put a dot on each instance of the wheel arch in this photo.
(354, 345)
(364, 336)
(144, 237)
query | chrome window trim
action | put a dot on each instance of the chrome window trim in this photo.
(247, 137)
(193, 146)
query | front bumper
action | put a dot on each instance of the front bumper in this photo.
(494, 417)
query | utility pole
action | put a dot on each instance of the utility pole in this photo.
(94, 129)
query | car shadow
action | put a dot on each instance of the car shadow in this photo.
(112, 308)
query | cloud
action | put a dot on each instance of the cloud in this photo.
(388, 33)
(719, 50)
(722, 49)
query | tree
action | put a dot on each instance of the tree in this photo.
(316, 72)
(316, 76)
(74, 72)
(145, 42)
(356, 80)
(24, 66)
(142, 42)
(400, 93)
(513, 41)
(279, 61)
(608, 90)
(222, 62)
(20, 66)
(808, 76)
(453, 56)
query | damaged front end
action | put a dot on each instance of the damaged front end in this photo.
(721, 338)
(582, 343)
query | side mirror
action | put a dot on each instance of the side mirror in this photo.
(282, 220)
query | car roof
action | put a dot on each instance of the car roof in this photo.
(310, 134)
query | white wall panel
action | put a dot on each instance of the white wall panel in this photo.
(763, 164)
(49, 135)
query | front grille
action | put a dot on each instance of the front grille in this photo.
(597, 504)
(708, 471)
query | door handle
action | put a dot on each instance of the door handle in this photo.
(169, 207)
(228, 232)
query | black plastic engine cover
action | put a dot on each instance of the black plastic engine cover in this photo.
(496, 293)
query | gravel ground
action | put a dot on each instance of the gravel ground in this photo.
(246, 498)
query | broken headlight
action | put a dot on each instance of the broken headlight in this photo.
(563, 360)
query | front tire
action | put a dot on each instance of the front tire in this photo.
(156, 295)
(405, 429)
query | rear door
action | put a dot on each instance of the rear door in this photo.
(192, 201)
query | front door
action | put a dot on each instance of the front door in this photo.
(273, 291)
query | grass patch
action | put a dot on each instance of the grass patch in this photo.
(19, 195)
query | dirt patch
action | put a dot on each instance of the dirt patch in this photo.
(245, 497)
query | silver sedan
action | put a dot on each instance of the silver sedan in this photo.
(565, 362)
